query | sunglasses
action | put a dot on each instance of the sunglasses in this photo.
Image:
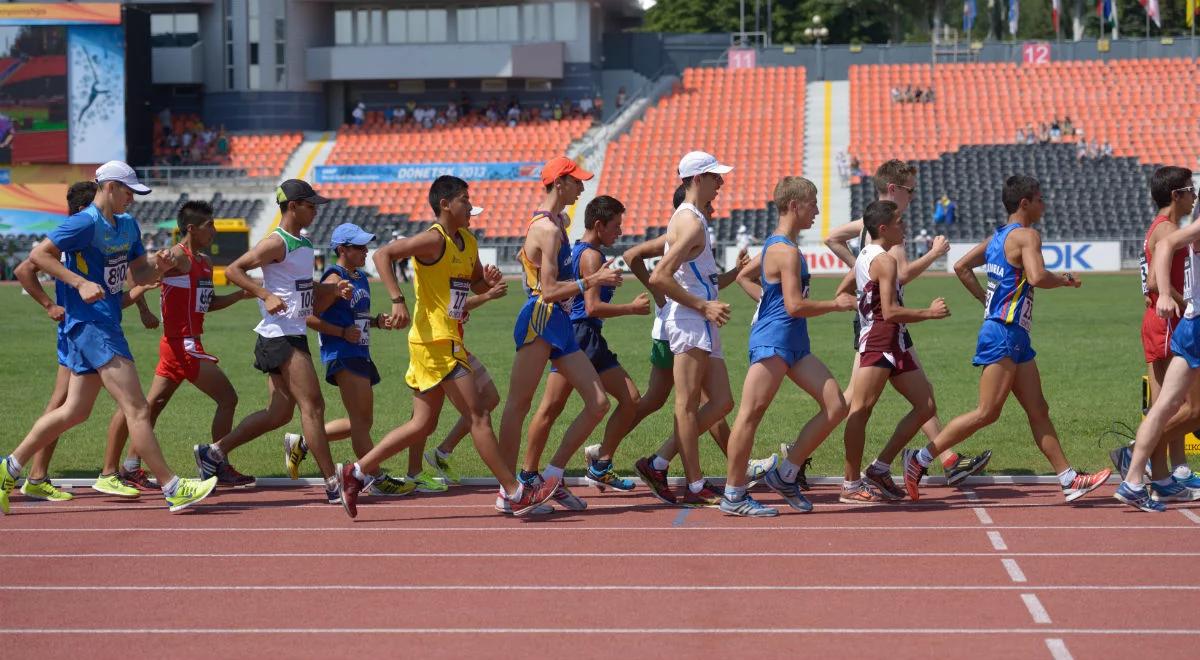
(906, 189)
(356, 247)
(1185, 189)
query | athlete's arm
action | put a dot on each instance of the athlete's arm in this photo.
(544, 235)
(747, 277)
(589, 263)
(884, 271)
(146, 268)
(965, 267)
(839, 240)
(321, 303)
(26, 273)
(793, 289)
(1161, 263)
(635, 258)
(427, 245)
(911, 270)
(848, 285)
(325, 294)
(268, 251)
(1161, 231)
(685, 237)
(499, 290)
(47, 257)
(1030, 245)
(228, 299)
(730, 276)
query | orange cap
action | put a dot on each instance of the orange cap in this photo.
(561, 165)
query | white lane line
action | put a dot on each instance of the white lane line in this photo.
(1058, 649)
(1190, 515)
(585, 587)
(1106, 632)
(982, 515)
(1036, 610)
(1014, 571)
(552, 555)
(534, 526)
(997, 540)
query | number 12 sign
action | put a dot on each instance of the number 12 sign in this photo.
(1035, 52)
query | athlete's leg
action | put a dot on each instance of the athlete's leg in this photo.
(427, 406)
(465, 396)
(582, 376)
(690, 370)
(915, 387)
(486, 388)
(621, 387)
(711, 416)
(41, 460)
(213, 382)
(301, 379)
(280, 408)
(528, 365)
(933, 426)
(554, 399)
(1027, 388)
(758, 390)
(120, 378)
(994, 385)
(868, 384)
(359, 399)
(814, 378)
(161, 391)
(1176, 384)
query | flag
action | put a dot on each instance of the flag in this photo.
(1107, 11)
(1191, 12)
(1151, 7)
(1014, 13)
(1055, 10)
(969, 12)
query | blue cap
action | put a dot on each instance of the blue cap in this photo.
(349, 233)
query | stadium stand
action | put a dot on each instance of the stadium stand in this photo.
(1135, 105)
(190, 142)
(752, 119)
(152, 212)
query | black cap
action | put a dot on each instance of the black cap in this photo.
(295, 190)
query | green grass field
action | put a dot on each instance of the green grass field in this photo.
(1089, 353)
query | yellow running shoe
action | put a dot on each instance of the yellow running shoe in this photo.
(7, 483)
(294, 451)
(44, 490)
(189, 492)
(389, 486)
(427, 483)
(442, 465)
(112, 485)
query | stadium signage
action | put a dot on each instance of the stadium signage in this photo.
(821, 260)
(427, 172)
(1074, 256)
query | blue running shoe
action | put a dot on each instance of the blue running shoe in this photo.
(790, 491)
(205, 463)
(1138, 499)
(1192, 481)
(1175, 492)
(748, 507)
(607, 479)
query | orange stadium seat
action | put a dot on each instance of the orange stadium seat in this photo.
(262, 155)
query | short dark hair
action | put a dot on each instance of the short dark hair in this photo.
(80, 195)
(680, 195)
(194, 212)
(1165, 180)
(601, 209)
(878, 213)
(444, 187)
(1017, 188)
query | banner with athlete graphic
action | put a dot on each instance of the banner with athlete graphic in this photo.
(96, 68)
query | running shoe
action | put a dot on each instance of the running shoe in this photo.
(44, 490)
(608, 479)
(294, 452)
(591, 454)
(565, 498)
(802, 478)
(860, 494)
(350, 487)
(747, 506)
(913, 471)
(881, 480)
(229, 477)
(1085, 483)
(112, 485)
(967, 466)
(389, 486)
(1121, 457)
(443, 466)
(1192, 480)
(205, 463)
(333, 494)
(189, 492)
(1174, 492)
(139, 479)
(7, 483)
(708, 496)
(790, 491)
(655, 480)
(533, 495)
(504, 505)
(1139, 499)
(757, 469)
(427, 483)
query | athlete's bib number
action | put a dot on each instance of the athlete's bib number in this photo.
(363, 321)
(204, 296)
(459, 289)
(304, 294)
(987, 303)
(115, 270)
(1026, 320)
(1143, 269)
(1187, 279)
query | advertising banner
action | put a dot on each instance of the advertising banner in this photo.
(427, 172)
(1074, 256)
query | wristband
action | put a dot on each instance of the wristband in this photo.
(579, 283)
(398, 299)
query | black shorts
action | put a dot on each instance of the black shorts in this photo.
(594, 346)
(271, 352)
(356, 365)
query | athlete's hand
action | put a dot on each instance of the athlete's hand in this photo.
(56, 313)
(607, 275)
(743, 258)
(660, 301)
(399, 316)
(641, 304)
(352, 334)
(846, 302)
(498, 290)
(1072, 282)
(89, 291)
(345, 289)
(939, 309)
(163, 261)
(274, 305)
(149, 320)
(492, 275)
(716, 311)
(941, 245)
(1167, 308)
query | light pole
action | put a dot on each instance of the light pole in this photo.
(818, 32)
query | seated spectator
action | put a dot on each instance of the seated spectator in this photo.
(1106, 151)
(1080, 150)
(585, 106)
(359, 113)
(1020, 136)
(514, 115)
(929, 95)
(621, 98)
(895, 95)
(452, 113)
(1068, 129)
(1055, 130)
(598, 106)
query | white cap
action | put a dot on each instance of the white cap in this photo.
(115, 170)
(700, 162)
(476, 210)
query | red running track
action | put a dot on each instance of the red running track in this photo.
(998, 572)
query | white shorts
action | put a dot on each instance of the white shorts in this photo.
(686, 334)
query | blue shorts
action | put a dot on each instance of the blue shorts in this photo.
(356, 365)
(998, 341)
(594, 346)
(1185, 341)
(61, 344)
(549, 321)
(791, 357)
(89, 346)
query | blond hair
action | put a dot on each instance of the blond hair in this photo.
(893, 171)
(793, 188)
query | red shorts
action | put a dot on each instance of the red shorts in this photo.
(900, 362)
(179, 358)
(1156, 336)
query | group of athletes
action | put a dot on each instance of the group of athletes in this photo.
(570, 291)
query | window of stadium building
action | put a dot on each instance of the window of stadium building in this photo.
(174, 30)
(372, 25)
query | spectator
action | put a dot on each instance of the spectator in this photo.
(620, 98)
(1080, 150)
(400, 115)
(923, 242)
(7, 135)
(585, 106)
(943, 211)
(1020, 136)
(514, 115)
(896, 96)
(1106, 150)
(558, 112)
(359, 114)
(1055, 130)
(388, 114)
(452, 113)
(598, 107)
(929, 95)
(743, 237)
(1068, 129)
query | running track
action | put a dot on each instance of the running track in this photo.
(997, 571)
